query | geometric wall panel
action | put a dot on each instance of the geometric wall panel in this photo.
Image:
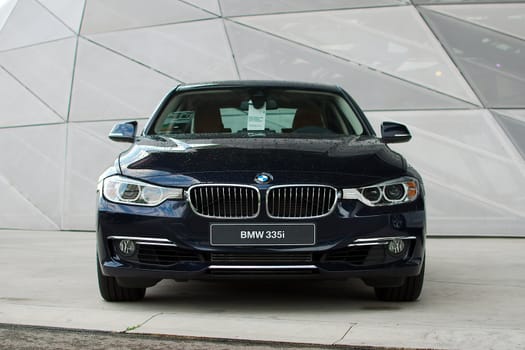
(468, 185)
(207, 5)
(30, 23)
(258, 7)
(275, 58)
(456, 214)
(19, 107)
(191, 52)
(514, 113)
(117, 89)
(515, 129)
(453, 71)
(5, 11)
(45, 68)
(505, 18)
(83, 169)
(35, 172)
(493, 63)
(111, 15)
(17, 212)
(474, 129)
(70, 11)
(391, 40)
(430, 2)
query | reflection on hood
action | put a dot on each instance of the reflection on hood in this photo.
(152, 157)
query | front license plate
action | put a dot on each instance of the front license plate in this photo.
(262, 234)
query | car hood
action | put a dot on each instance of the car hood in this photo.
(350, 161)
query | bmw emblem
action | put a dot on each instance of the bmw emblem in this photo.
(263, 178)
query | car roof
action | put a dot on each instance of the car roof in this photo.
(258, 84)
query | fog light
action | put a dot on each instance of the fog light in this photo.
(126, 247)
(396, 246)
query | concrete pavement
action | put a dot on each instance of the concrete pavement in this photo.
(473, 298)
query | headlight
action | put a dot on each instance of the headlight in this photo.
(123, 190)
(392, 192)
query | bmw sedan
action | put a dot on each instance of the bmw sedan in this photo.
(260, 179)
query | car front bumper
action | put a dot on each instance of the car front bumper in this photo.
(174, 243)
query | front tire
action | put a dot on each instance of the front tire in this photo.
(410, 290)
(111, 291)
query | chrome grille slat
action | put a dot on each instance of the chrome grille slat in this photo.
(300, 201)
(224, 201)
(278, 202)
(229, 201)
(324, 198)
(234, 202)
(243, 201)
(295, 203)
(318, 201)
(285, 201)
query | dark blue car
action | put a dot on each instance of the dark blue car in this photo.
(257, 179)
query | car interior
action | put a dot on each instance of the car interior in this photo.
(278, 112)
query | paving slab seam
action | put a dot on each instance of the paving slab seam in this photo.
(473, 300)
(279, 344)
(344, 335)
(475, 284)
(129, 329)
(219, 341)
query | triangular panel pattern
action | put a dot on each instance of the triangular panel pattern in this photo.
(70, 11)
(36, 168)
(418, 70)
(494, 180)
(5, 11)
(30, 23)
(454, 214)
(258, 7)
(276, 59)
(515, 129)
(16, 212)
(469, 2)
(18, 107)
(505, 18)
(191, 52)
(470, 129)
(110, 15)
(207, 5)
(394, 40)
(446, 203)
(83, 169)
(46, 69)
(493, 63)
(109, 86)
(513, 113)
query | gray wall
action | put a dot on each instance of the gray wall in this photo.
(454, 72)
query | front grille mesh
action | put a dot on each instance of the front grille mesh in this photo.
(225, 201)
(300, 201)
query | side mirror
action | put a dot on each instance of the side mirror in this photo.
(394, 133)
(124, 132)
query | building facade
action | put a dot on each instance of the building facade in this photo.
(453, 71)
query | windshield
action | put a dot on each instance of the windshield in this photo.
(252, 112)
